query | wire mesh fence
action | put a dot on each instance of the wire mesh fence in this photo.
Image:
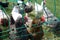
(11, 34)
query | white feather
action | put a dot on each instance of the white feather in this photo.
(38, 8)
(29, 4)
(2, 14)
(15, 13)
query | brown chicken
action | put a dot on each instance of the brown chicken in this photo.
(36, 29)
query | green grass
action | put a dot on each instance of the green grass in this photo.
(50, 5)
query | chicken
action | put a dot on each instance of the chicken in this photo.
(19, 23)
(29, 7)
(36, 30)
(15, 13)
(3, 19)
(38, 8)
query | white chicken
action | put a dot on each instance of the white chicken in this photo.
(2, 15)
(38, 8)
(48, 15)
(3, 18)
(15, 13)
